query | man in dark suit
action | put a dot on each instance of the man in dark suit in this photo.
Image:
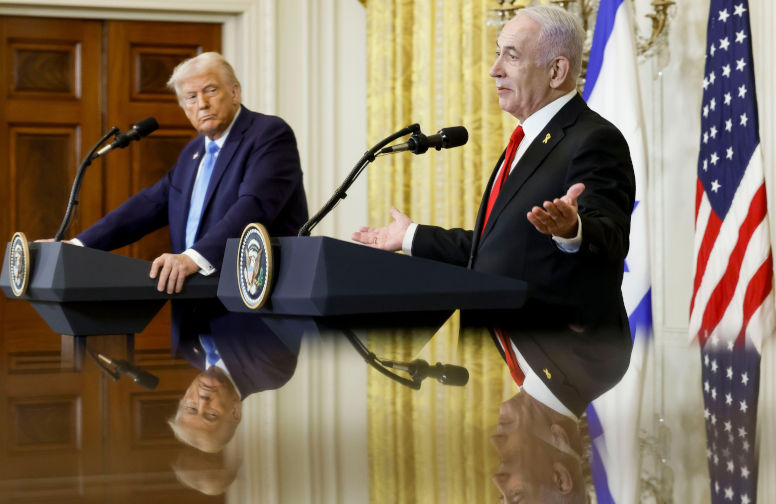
(556, 213)
(242, 168)
(235, 363)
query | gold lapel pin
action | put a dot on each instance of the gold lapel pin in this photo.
(547, 373)
(196, 155)
(547, 138)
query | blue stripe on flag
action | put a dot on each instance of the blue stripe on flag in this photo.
(604, 24)
(603, 495)
(642, 315)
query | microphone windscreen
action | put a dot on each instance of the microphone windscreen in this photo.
(454, 375)
(454, 136)
(146, 126)
(146, 379)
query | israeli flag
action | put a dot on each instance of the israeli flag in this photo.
(612, 90)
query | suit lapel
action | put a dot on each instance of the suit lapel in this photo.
(192, 166)
(190, 170)
(532, 160)
(483, 205)
(227, 153)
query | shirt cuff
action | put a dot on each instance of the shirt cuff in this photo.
(570, 245)
(409, 236)
(205, 268)
(76, 241)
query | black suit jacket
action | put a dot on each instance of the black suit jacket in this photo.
(575, 335)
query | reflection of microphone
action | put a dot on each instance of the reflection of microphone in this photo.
(136, 132)
(419, 143)
(419, 369)
(138, 375)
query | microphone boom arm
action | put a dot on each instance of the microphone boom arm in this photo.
(341, 192)
(73, 201)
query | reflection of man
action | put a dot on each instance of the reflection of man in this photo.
(235, 364)
(539, 454)
(556, 213)
(242, 168)
(207, 473)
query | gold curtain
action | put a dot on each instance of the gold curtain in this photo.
(428, 63)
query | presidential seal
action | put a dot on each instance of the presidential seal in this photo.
(254, 266)
(19, 264)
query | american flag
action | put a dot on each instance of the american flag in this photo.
(732, 307)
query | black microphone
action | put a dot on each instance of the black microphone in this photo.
(138, 375)
(447, 374)
(418, 143)
(136, 132)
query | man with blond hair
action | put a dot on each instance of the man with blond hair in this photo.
(243, 167)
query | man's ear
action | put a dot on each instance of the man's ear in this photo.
(561, 478)
(559, 71)
(237, 411)
(237, 92)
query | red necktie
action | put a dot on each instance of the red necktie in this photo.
(509, 354)
(514, 141)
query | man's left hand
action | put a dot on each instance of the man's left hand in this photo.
(559, 216)
(172, 270)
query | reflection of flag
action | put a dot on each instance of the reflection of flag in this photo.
(732, 306)
(612, 90)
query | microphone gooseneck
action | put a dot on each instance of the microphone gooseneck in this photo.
(136, 132)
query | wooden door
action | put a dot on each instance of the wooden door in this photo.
(50, 102)
(67, 432)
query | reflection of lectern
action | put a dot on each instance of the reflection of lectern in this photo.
(345, 286)
(81, 291)
(335, 280)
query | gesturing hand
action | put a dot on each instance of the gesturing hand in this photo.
(387, 237)
(559, 216)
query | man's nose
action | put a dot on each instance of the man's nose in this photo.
(495, 69)
(202, 101)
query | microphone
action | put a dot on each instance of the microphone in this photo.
(138, 375)
(418, 143)
(447, 374)
(136, 132)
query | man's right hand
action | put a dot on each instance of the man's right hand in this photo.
(387, 237)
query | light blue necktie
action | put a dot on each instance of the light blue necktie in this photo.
(198, 195)
(211, 352)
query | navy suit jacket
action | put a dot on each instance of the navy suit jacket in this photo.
(263, 359)
(583, 362)
(257, 178)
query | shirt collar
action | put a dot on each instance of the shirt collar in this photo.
(534, 124)
(220, 141)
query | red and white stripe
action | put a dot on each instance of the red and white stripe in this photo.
(733, 280)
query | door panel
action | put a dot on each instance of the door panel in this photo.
(68, 432)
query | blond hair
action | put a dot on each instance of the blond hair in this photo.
(198, 65)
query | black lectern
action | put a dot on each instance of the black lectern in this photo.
(326, 278)
(343, 286)
(80, 291)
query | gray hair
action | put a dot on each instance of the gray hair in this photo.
(561, 35)
(198, 65)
